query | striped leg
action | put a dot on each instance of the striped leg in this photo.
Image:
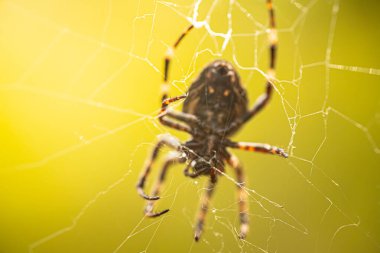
(203, 210)
(164, 140)
(258, 147)
(168, 57)
(170, 123)
(166, 100)
(263, 100)
(156, 190)
(242, 195)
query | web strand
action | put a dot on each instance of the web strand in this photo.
(305, 169)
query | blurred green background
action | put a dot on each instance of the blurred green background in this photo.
(79, 92)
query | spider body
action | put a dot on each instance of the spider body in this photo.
(215, 107)
(216, 98)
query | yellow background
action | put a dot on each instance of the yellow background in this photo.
(79, 92)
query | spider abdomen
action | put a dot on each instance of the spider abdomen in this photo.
(217, 97)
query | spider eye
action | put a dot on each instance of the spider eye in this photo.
(226, 93)
(211, 90)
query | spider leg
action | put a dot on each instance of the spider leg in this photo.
(156, 190)
(242, 195)
(190, 119)
(258, 147)
(164, 113)
(263, 100)
(164, 140)
(204, 208)
(170, 123)
(168, 57)
(184, 117)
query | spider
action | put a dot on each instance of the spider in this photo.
(215, 107)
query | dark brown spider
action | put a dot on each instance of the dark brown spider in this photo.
(216, 106)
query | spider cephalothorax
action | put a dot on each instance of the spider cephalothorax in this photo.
(215, 107)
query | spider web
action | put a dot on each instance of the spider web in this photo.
(80, 85)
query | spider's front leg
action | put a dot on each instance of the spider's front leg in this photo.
(168, 140)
